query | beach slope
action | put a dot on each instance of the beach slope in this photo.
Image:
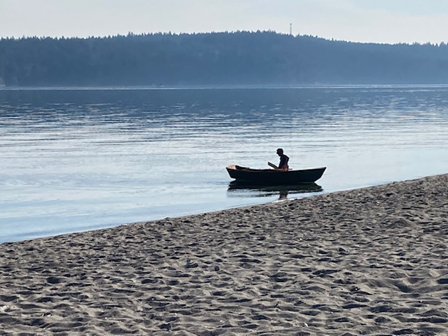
(370, 261)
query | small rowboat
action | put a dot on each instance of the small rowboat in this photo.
(274, 177)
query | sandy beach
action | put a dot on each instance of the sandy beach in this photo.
(371, 261)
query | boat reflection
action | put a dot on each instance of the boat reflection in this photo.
(237, 189)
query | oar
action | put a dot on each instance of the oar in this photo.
(272, 165)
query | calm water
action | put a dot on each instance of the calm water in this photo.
(74, 160)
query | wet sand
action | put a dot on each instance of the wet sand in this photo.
(370, 261)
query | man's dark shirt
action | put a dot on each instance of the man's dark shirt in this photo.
(283, 161)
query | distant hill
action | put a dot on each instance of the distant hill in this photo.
(238, 58)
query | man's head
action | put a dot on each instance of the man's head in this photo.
(280, 152)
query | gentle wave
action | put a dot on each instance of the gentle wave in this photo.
(82, 159)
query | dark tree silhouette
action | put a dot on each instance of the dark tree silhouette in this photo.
(236, 58)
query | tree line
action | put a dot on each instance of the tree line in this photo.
(226, 58)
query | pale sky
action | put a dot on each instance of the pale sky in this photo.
(381, 21)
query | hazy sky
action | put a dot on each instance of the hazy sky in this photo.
(383, 21)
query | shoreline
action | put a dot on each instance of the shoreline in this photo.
(361, 261)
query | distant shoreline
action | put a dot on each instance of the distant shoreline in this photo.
(224, 58)
(218, 87)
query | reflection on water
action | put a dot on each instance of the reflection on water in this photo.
(238, 189)
(74, 160)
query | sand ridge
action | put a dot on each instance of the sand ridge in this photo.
(369, 261)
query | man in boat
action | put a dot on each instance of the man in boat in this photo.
(283, 165)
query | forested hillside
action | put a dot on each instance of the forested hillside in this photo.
(259, 58)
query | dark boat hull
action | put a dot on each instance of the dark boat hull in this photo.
(274, 177)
